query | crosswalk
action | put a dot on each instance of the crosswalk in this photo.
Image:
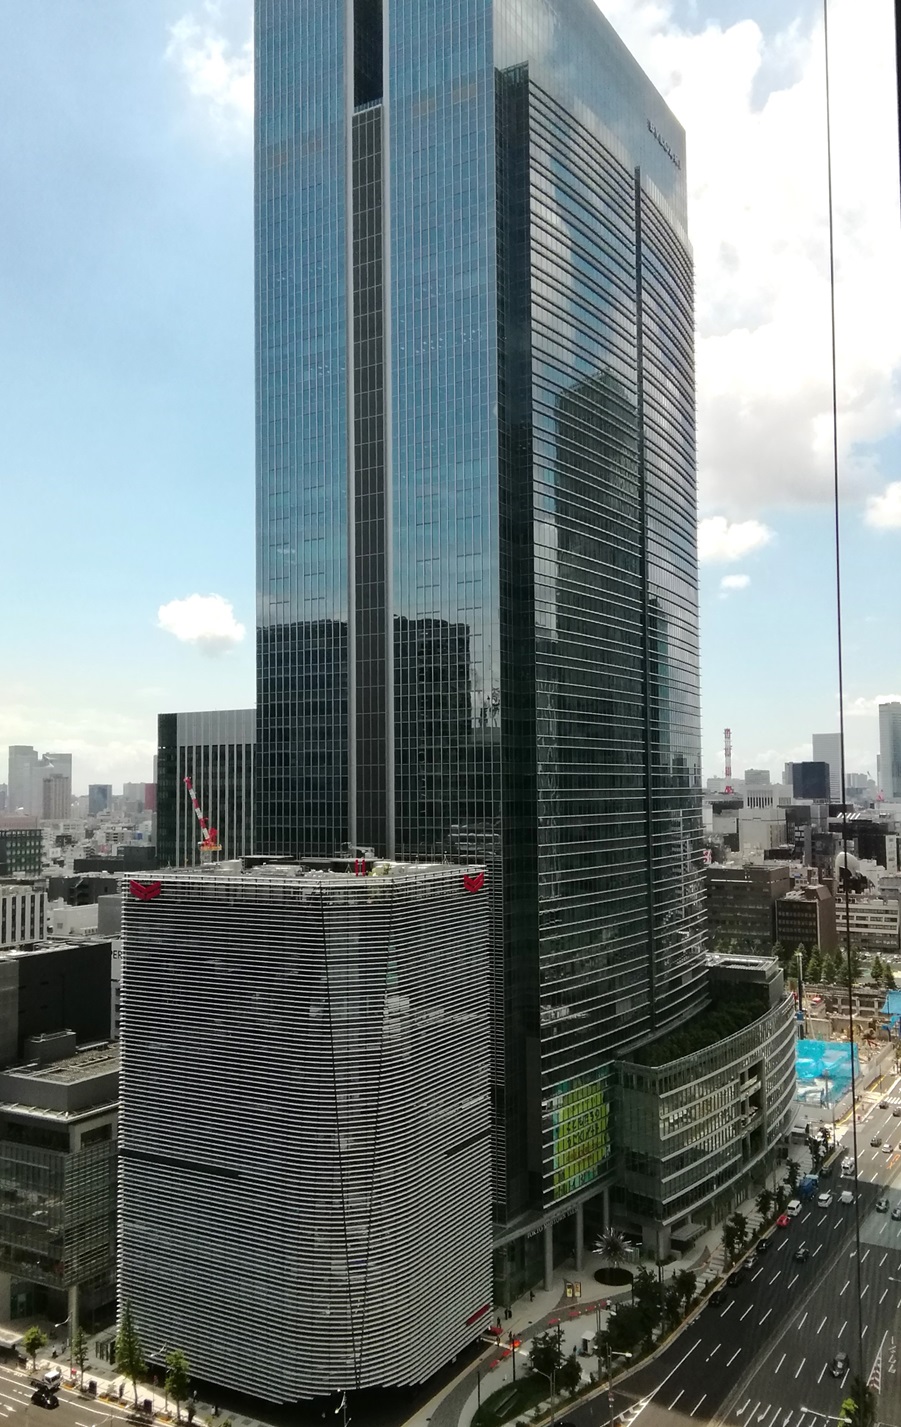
(777, 1414)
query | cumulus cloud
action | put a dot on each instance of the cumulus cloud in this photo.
(721, 541)
(869, 708)
(752, 104)
(206, 621)
(217, 64)
(884, 511)
(734, 582)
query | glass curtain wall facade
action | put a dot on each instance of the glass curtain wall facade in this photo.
(476, 514)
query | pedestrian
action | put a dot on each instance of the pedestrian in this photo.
(531, 1295)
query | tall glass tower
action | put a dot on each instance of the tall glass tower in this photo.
(476, 552)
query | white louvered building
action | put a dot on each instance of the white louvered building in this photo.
(306, 1132)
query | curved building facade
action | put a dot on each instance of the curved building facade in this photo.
(305, 1148)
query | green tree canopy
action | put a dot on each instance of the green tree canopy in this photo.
(129, 1352)
(33, 1339)
(80, 1352)
(546, 1355)
(177, 1378)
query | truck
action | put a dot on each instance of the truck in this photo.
(808, 1186)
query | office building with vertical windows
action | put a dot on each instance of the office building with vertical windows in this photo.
(476, 550)
(215, 750)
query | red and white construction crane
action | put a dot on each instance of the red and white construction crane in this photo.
(209, 837)
(727, 749)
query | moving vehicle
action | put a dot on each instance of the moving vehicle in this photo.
(824, 1200)
(717, 1295)
(896, 1212)
(846, 1197)
(875, 1141)
(802, 1254)
(881, 1206)
(50, 1382)
(763, 1245)
(897, 1111)
(42, 1398)
(839, 1365)
(886, 1148)
(808, 1186)
(793, 1208)
(847, 1166)
(783, 1221)
(883, 1104)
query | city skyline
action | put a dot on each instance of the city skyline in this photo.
(150, 381)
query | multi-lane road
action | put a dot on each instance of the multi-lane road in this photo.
(761, 1356)
(73, 1410)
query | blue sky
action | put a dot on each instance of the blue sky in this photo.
(126, 366)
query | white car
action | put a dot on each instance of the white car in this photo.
(793, 1208)
(886, 1148)
(824, 1200)
(846, 1197)
(847, 1166)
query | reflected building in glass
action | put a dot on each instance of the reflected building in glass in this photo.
(477, 584)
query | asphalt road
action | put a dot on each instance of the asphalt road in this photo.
(762, 1355)
(73, 1410)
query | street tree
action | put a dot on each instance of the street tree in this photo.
(80, 1353)
(877, 971)
(764, 1203)
(33, 1339)
(741, 1230)
(781, 1197)
(686, 1280)
(730, 1243)
(649, 1301)
(888, 978)
(814, 967)
(177, 1378)
(129, 1352)
(672, 1306)
(569, 1375)
(792, 1174)
(625, 1330)
(860, 1404)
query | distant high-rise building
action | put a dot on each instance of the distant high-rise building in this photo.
(24, 781)
(890, 751)
(477, 575)
(215, 750)
(57, 796)
(827, 748)
(811, 780)
(305, 1098)
(100, 798)
(20, 851)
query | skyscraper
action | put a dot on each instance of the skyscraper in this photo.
(890, 751)
(827, 748)
(477, 582)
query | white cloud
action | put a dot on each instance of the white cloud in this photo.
(884, 511)
(218, 69)
(721, 541)
(752, 106)
(734, 582)
(207, 621)
(869, 708)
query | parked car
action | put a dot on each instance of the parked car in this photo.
(763, 1245)
(881, 1206)
(802, 1254)
(824, 1200)
(717, 1295)
(839, 1365)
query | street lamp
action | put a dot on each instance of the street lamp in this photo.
(610, 1379)
(68, 1338)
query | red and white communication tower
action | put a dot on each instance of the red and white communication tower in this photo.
(727, 749)
(209, 837)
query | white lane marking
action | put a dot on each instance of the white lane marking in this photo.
(791, 1285)
(842, 1328)
(847, 1285)
(775, 1276)
(865, 1327)
(757, 1274)
(765, 1317)
(822, 1370)
(780, 1362)
(884, 1292)
(774, 1416)
(742, 1410)
(817, 1250)
(694, 1409)
(805, 1217)
(865, 1256)
(763, 1413)
(882, 1260)
(865, 1290)
(727, 1307)
(716, 1350)
(676, 1399)
(804, 1319)
(820, 1329)
(732, 1359)
(745, 1314)
(782, 1245)
(800, 1366)
(883, 1229)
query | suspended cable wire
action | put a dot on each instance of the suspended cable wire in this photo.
(836, 498)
